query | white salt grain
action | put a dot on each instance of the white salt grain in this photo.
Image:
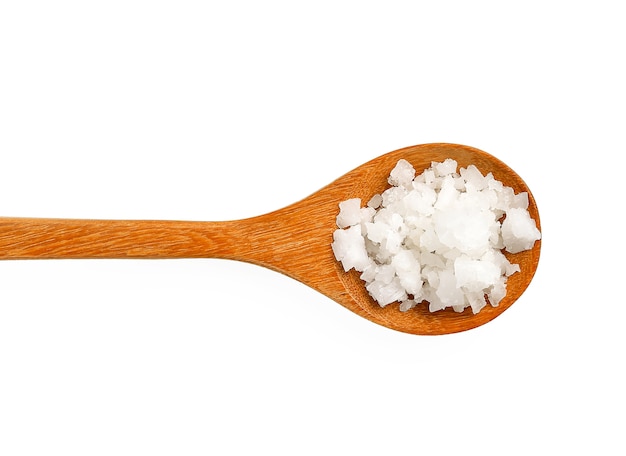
(435, 237)
(519, 231)
(349, 248)
(402, 175)
(349, 213)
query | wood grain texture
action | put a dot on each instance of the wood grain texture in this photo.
(294, 240)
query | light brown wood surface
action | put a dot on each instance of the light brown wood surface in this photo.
(294, 240)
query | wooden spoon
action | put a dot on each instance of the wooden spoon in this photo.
(294, 240)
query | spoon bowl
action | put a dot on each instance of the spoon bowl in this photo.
(295, 240)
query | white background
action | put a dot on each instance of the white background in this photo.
(201, 111)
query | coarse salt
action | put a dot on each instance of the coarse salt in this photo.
(437, 237)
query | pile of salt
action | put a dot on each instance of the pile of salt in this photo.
(437, 237)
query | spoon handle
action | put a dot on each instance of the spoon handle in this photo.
(285, 241)
(39, 238)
